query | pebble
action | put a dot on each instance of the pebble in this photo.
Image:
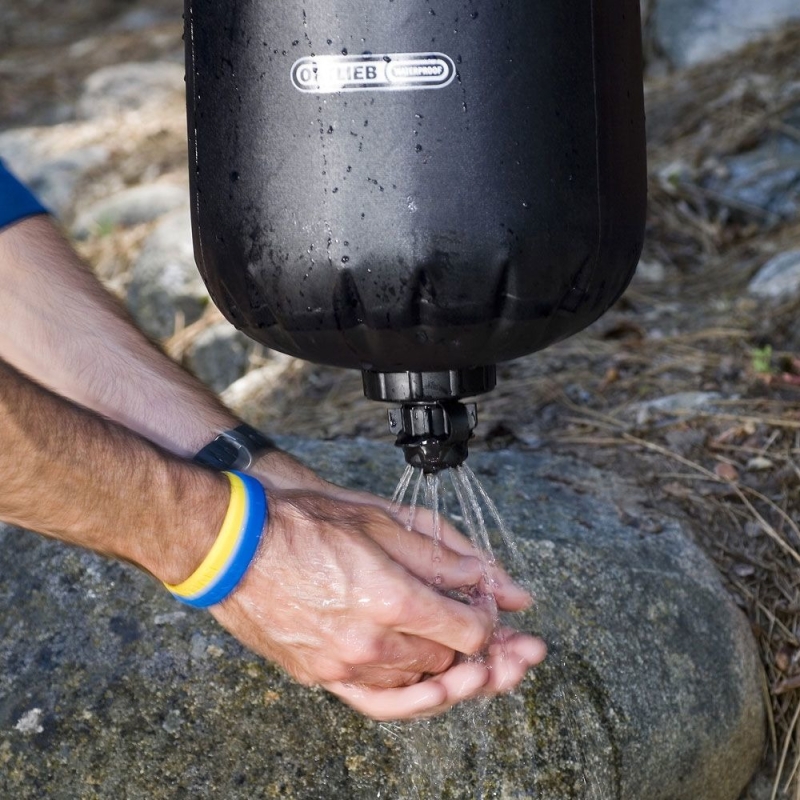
(30, 722)
(219, 356)
(169, 617)
(779, 278)
(679, 403)
(650, 272)
(764, 181)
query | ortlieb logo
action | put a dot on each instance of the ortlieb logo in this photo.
(392, 71)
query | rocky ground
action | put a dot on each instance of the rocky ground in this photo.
(690, 386)
(651, 688)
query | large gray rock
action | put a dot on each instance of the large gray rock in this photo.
(692, 31)
(165, 282)
(651, 691)
(129, 207)
(766, 180)
(127, 87)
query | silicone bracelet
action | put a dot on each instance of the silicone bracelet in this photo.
(232, 552)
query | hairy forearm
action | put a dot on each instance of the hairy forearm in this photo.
(72, 475)
(59, 326)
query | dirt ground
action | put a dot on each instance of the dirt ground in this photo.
(722, 453)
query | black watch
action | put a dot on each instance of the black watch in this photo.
(235, 449)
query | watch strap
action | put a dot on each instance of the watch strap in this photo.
(235, 449)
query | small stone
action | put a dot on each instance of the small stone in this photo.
(759, 463)
(726, 471)
(753, 529)
(271, 697)
(199, 646)
(650, 272)
(219, 356)
(170, 618)
(173, 721)
(779, 278)
(679, 404)
(766, 180)
(30, 722)
(743, 570)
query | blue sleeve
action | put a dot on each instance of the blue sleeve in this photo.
(16, 200)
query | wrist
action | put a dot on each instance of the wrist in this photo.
(233, 551)
(235, 449)
(194, 503)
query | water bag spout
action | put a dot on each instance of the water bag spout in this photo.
(431, 424)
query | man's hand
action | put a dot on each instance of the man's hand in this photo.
(394, 655)
(341, 595)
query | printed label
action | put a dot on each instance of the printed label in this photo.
(389, 72)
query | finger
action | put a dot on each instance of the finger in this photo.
(380, 678)
(432, 696)
(395, 653)
(422, 519)
(509, 594)
(425, 613)
(463, 682)
(444, 566)
(509, 658)
(390, 704)
(434, 526)
(418, 554)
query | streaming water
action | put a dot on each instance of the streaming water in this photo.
(438, 754)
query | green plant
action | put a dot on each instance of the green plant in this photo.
(762, 359)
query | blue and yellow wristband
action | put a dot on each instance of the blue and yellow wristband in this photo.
(233, 551)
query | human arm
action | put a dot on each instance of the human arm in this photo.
(74, 476)
(60, 326)
(344, 609)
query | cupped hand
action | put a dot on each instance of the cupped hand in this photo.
(509, 656)
(279, 470)
(340, 595)
(340, 592)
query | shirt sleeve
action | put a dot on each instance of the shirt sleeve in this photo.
(16, 200)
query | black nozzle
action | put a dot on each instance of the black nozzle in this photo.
(428, 387)
(432, 425)
(434, 436)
